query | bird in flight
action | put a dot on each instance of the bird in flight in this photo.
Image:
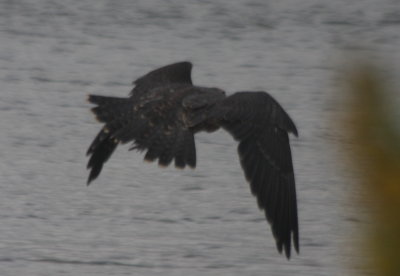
(165, 110)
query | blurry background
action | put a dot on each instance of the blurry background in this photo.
(138, 219)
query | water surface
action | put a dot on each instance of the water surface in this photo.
(137, 219)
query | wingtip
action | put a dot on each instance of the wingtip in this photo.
(295, 132)
(92, 176)
(296, 246)
(282, 248)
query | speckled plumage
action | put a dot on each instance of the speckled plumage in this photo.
(165, 110)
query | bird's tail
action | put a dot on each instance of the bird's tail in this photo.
(108, 108)
(111, 111)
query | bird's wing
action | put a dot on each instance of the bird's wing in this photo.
(261, 126)
(156, 126)
(179, 72)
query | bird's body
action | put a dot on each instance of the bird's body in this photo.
(165, 110)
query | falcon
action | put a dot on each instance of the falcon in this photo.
(165, 110)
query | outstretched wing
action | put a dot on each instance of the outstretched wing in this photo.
(179, 72)
(261, 126)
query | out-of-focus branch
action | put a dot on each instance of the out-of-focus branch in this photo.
(375, 154)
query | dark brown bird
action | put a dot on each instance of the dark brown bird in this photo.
(165, 110)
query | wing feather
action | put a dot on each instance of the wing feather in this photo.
(179, 72)
(100, 151)
(154, 124)
(261, 126)
(165, 110)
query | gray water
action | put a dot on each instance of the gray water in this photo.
(138, 219)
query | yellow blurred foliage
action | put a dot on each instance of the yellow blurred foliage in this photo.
(375, 153)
